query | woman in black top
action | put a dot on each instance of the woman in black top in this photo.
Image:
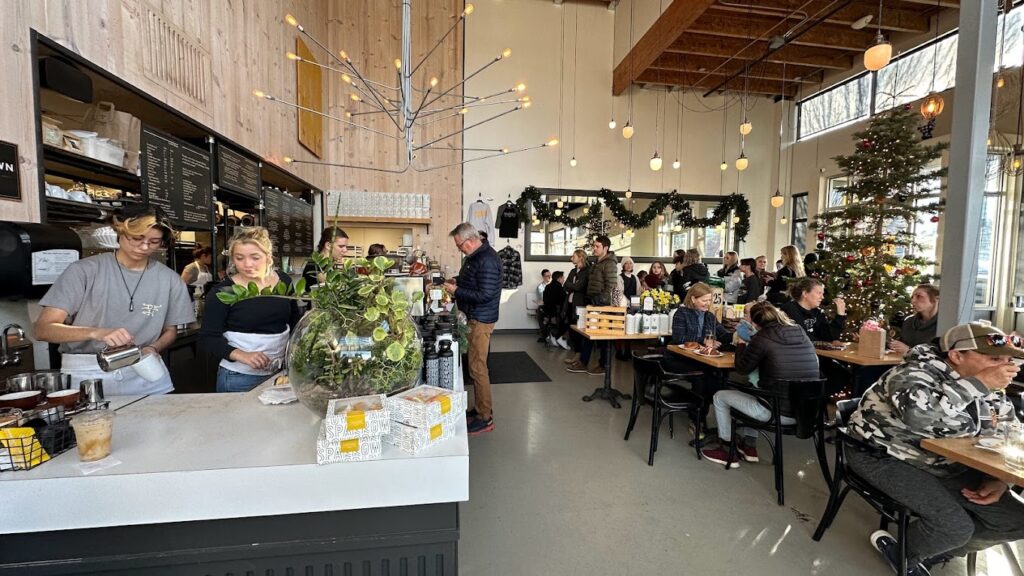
(251, 336)
(792, 267)
(333, 243)
(689, 271)
(576, 291)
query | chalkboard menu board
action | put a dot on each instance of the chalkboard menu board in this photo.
(176, 176)
(289, 222)
(237, 173)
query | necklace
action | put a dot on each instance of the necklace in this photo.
(131, 293)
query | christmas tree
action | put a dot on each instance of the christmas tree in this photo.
(873, 259)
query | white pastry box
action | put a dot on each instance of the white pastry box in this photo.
(359, 417)
(415, 440)
(351, 450)
(425, 406)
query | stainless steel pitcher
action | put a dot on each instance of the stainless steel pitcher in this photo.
(111, 359)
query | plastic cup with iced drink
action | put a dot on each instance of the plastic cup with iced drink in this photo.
(93, 431)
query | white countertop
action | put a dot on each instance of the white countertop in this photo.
(213, 456)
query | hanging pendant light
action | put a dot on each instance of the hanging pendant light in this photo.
(932, 106)
(612, 124)
(627, 130)
(742, 162)
(572, 162)
(778, 199)
(676, 164)
(880, 53)
(629, 193)
(655, 162)
(724, 166)
(746, 127)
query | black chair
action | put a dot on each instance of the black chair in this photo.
(663, 392)
(802, 400)
(845, 479)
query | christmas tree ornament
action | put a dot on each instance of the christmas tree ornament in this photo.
(935, 219)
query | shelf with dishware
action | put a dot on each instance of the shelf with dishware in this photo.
(85, 169)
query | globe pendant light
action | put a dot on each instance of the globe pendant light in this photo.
(676, 164)
(746, 127)
(627, 130)
(932, 106)
(742, 162)
(778, 200)
(656, 162)
(724, 166)
(572, 162)
(612, 124)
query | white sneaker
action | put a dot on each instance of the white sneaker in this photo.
(561, 342)
(551, 341)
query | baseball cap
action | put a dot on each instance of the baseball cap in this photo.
(983, 339)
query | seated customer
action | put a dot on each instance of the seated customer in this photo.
(944, 392)
(695, 325)
(751, 288)
(779, 350)
(805, 311)
(919, 327)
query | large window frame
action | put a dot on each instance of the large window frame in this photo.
(798, 221)
(730, 236)
(1009, 47)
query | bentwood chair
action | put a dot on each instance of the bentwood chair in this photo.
(663, 392)
(802, 400)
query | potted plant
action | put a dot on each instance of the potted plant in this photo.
(358, 339)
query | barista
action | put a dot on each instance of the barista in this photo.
(115, 299)
(197, 273)
(333, 243)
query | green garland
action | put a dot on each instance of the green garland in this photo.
(732, 203)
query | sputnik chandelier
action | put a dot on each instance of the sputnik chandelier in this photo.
(410, 110)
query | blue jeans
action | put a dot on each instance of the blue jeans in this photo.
(231, 381)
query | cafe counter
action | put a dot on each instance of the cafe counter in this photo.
(223, 482)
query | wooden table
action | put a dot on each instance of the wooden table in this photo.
(606, 392)
(964, 451)
(850, 356)
(727, 361)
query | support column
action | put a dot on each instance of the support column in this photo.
(966, 182)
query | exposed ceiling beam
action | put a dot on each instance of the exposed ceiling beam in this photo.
(895, 19)
(750, 27)
(930, 3)
(722, 67)
(679, 15)
(697, 80)
(707, 45)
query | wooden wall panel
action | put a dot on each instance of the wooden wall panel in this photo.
(246, 40)
(370, 32)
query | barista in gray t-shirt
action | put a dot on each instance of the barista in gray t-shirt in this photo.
(116, 299)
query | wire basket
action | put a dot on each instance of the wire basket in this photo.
(27, 447)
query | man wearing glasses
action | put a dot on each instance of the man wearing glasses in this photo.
(478, 294)
(118, 298)
(937, 392)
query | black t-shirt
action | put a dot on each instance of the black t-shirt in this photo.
(263, 315)
(508, 221)
(751, 290)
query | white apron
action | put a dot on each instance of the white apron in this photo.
(202, 279)
(273, 345)
(122, 382)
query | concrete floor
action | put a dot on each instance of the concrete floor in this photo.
(554, 490)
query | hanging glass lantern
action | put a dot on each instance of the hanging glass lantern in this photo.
(932, 106)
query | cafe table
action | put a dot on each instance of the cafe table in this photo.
(850, 356)
(991, 462)
(606, 392)
(723, 363)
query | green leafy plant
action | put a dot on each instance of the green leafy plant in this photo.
(359, 337)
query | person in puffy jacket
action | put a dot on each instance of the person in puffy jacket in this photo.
(603, 279)
(478, 294)
(779, 350)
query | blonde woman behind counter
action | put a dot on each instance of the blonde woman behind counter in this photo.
(118, 298)
(249, 337)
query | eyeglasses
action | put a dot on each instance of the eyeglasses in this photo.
(994, 340)
(459, 244)
(143, 241)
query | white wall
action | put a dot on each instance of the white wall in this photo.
(533, 30)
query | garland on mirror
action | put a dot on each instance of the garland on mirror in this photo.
(733, 205)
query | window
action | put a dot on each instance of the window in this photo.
(995, 184)
(537, 241)
(839, 105)
(835, 197)
(906, 79)
(798, 230)
(909, 77)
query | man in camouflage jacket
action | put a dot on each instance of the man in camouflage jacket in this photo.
(944, 392)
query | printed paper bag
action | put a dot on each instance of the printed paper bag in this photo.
(872, 342)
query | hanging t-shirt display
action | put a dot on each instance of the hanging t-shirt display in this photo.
(479, 216)
(511, 267)
(508, 221)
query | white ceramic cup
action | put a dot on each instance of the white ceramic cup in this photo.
(151, 368)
